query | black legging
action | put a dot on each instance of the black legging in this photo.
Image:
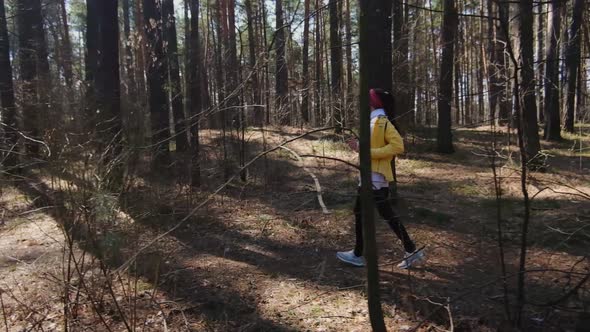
(386, 211)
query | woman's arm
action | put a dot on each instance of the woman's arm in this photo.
(394, 146)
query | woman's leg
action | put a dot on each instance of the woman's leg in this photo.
(387, 212)
(358, 225)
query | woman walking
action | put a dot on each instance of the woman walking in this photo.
(386, 143)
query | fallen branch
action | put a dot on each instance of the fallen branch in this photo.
(318, 187)
(128, 262)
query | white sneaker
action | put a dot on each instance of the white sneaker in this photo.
(411, 258)
(350, 258)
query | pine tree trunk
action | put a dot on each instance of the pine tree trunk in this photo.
(527, 86)
(282, 76)
(449, 29)
(349, 84)
(573, 55)
(107, 82)
(368, 23)
(380, 56)
(318, 64)
(33, 69)
(252, 42)
(193, 69)
(306, 86)
(552, 103)
(7, 105)
(66, 46)
(401, 72)
(540, 66)
(175, 98)
(336, 64)
(156, 77)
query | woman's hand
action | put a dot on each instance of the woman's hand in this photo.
(353, 144)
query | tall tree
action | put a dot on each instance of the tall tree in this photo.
(281, 71)
(194, 91)
(34, 68)
(336, 63)
(449, 29)
(318, 63)
(66, 50)
(306, 87)
(175, 98)
(156, 77)
(107, 84)
(573, 55)
(527, 85)
(373, 16)
(252, 43)
(380, 58)
(7, 106)
(552, 105)
(401, 72)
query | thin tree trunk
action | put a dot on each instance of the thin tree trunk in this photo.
(401, 70)
(252, 42)
(156, 77)
(349, 86)
(306, 86)
(175, 97)
(281, 88)
(66, 46)
(552, 104)
(529, 109)
(336, 64)
(450, 21)
(194, 91)
(540, 57)
(318, 64)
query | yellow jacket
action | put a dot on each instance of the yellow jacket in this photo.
(386, 143)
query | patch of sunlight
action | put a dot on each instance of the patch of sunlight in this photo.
(575, 136)
(569, 152)
(413, 164)
(326, 146)
(468, 190)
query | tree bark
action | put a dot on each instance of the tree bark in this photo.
(401, 72)
(34, 69)
(449, 29)
(282, 75)
(527, 85)
(306, 86)
(7, 105)
(336, 64)
(367, 25)
(318, 64)
(107, 81)
(252, 42)
(552, 104)
(380, 56)
(573, 55)
(156, 77)
(194, 92)
(66, 46)
(175, 97)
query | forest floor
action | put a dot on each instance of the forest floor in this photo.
(260, 256)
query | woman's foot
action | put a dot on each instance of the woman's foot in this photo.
(411, 258)
(350, 258)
